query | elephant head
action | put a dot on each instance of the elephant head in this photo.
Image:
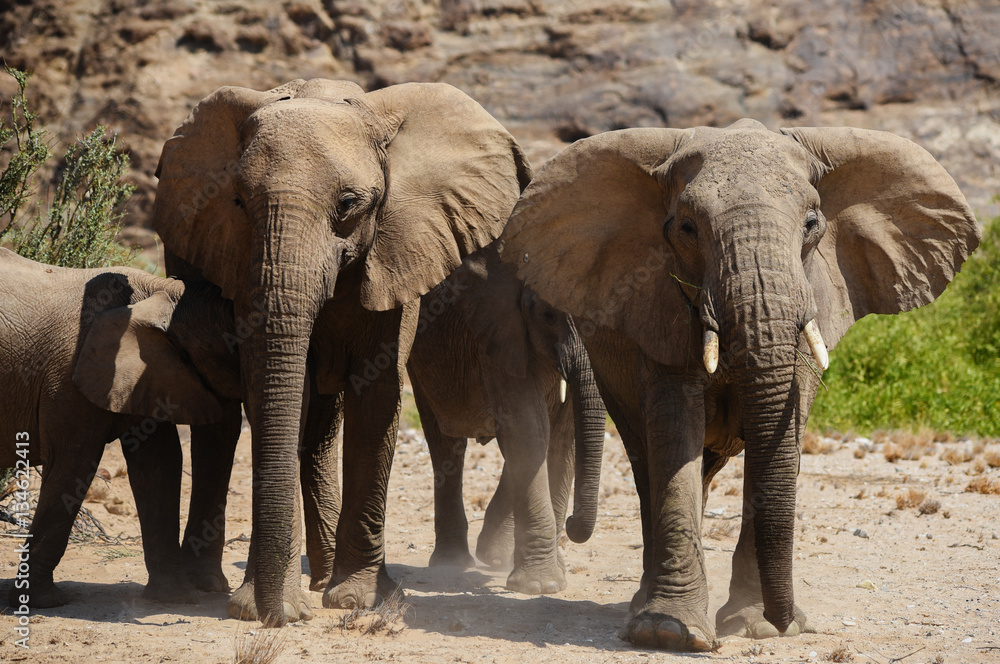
(284, 197)
(737, 253)
(163, 356)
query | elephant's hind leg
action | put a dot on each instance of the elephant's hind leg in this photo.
(213, 447)
(154, 472)
(451, 527)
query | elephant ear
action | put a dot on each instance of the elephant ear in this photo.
(127, 364)
(587, 235)
(196, 210)
(899, 229)
(453, 176)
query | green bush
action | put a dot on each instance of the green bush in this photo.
(937, 367)
(78, 226)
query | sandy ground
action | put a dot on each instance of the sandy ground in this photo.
(879, 581)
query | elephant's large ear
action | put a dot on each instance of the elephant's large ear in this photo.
(899, 228)
(588, 236)
(196, 211)
(454, 174)
(127, 364)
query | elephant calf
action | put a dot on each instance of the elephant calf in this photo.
(88, 356)
(489, 359)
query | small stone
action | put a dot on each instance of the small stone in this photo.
(849, 623)
(861, 533)
(967, 639)
(867, 585)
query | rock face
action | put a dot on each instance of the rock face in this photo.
(551, 71)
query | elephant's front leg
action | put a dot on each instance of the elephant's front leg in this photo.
(320, 488)
(213, 447)
(743, 614)
(522, 431)
(295, 602)
(371, 419)
(670, 610)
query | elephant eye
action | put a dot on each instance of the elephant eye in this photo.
(688, 228)
(550, 317)
(812, 221)
(345, 204)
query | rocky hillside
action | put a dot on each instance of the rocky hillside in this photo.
(551, 71)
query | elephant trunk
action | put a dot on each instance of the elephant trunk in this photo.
(588, 433)
(277, 316)
(762, 346)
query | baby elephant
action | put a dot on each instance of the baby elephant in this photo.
(88, 356)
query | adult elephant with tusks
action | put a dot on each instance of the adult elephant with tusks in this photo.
(709, 272)
(324, 212)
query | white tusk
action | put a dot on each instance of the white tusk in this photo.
(562, 390)
(711, 354)
(815, 341)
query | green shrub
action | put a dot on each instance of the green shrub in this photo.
(78, 226)
(937, 367)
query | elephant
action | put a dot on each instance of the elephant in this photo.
(710, 271)
(491, 359)
(91, 355)
(324, 212)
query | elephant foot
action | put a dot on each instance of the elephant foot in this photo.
(171, 590)
(361, 590)
(542, 579)
(318, 583)
(496, 552)
(653, 629)
(206, 576)
(745, 618)
(452, 555)
(243, 606)
(42, 595)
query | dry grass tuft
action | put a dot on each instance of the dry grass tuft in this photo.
(722, 530)
(260, 646)
(929, 506)
(910, 498)
(732, 490)
(956, 455)
(860, 452)
(841, 654)
(815, 444)
(979, 466)
(909, 446)
(99, 491)
(387, 616)
(984, 485)
(992, 458)
(861, 495)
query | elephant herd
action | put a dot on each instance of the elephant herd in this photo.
(324, 242)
